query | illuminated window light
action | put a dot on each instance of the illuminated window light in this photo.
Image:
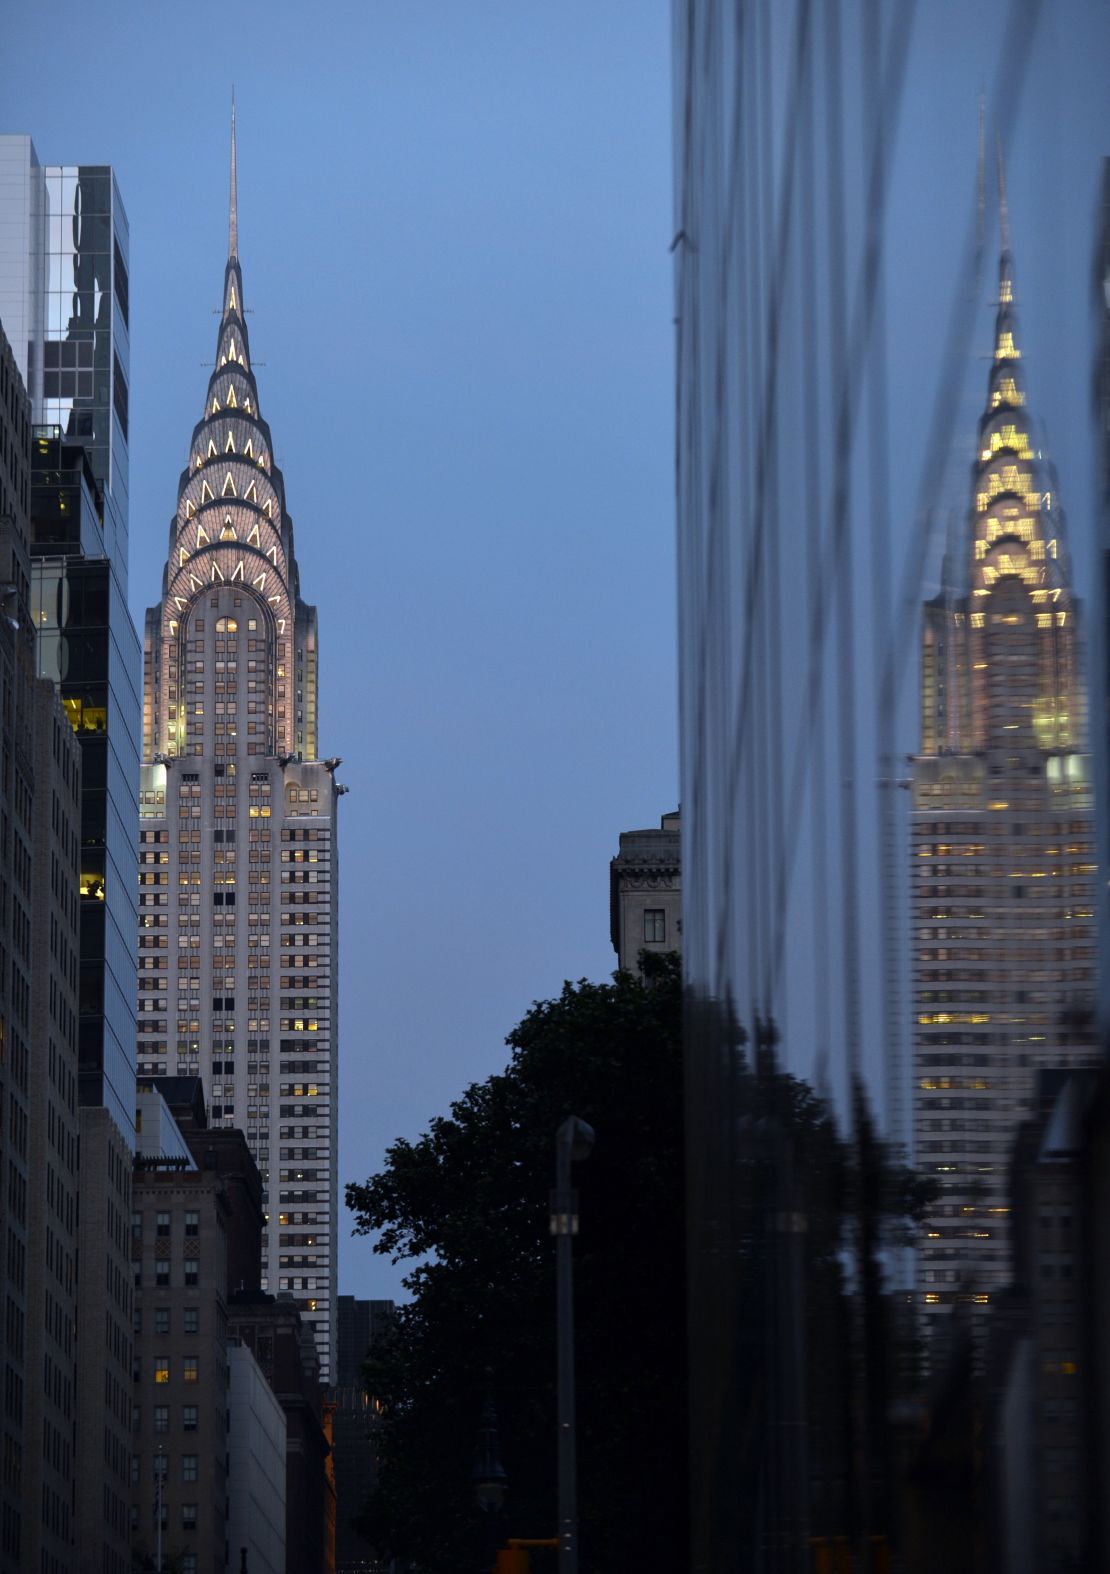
(206, 493)
(229, 446)
(229, 486)
(215, 405)
(1005, 350)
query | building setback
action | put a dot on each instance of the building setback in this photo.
(237, 845)
(1002, 884)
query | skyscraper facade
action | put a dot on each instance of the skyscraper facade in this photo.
(1002, 838)
(40, 789)
(65, 301)
(237, 840)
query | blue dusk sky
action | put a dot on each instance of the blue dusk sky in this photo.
(454, 226)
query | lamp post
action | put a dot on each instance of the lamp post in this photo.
(490, 1482)
(573, 1142)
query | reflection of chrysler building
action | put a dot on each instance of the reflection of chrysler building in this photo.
(238, 863)
(1002, 839)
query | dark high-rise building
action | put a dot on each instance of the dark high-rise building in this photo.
(65, 283)
(238, 865)
(40, 780)
(64, 293)
(362, 1324)
(1002, 839)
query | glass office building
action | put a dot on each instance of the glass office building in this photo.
(64, 287)
(778, 232)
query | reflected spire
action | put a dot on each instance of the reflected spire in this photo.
(233, 206)
(1003, 205)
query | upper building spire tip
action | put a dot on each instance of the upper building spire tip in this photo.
(1003, 205)
(233, 206)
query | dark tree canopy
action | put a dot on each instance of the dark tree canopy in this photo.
(469, 1202)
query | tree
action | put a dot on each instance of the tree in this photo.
(469, 1204)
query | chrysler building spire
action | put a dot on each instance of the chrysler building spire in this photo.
(233, 202)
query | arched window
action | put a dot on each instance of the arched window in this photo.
(226, 626)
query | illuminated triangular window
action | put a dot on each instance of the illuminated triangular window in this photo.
(206, 493)
(1005, 349)
(248, 451)
(211, 448)
(229, 446)
(251, 494)
(203, 538)
(268, 509)
(232, 403)
(253, 539)
(228, 532)
(232, 303)
(215, 405)
(190, 509)
(229, 486)
(182, 556)
(247, 406)
(262, 461)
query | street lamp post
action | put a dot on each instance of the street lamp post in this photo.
(573, 1142)
(490, 1483)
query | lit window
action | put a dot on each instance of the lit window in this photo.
(189, 1373)
(162, 1369)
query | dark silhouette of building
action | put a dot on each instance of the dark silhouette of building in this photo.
(40, 781)
(362, 1324)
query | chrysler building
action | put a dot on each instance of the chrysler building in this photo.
(1002, 841)
(238, 860)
